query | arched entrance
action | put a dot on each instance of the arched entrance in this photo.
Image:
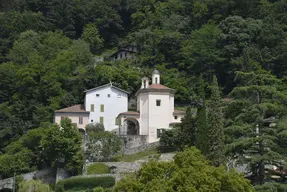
(82, 131)
(132, 126)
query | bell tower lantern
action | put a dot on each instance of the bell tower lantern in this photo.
(155, 77)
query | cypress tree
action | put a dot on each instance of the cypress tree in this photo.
(201, 128)
(187, 130)
(215, 126)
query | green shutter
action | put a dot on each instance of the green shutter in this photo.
(102, 120)
(102, 108)
(92, 108)
(118, 121)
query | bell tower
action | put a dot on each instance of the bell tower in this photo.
(155, 77)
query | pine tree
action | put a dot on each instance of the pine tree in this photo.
(201, 128)
(256, 103)
(215, 126)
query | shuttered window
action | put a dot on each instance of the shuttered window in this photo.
(102, 108)
(92, 107)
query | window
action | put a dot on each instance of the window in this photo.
(102, 108)
(175, 117)
(92, 107)
(92, 120)
(156, 80)
(118, 122)
(102, 120)
(80, 120)
(109, 95)
(97, 95)
(157, 102)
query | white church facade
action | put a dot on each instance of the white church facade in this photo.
(155, 111)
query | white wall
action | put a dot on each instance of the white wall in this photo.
(113, 105)
(144, 111)
(159, 116)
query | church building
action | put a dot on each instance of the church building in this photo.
(155, 111)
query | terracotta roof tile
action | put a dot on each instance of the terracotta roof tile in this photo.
(157, 86)
(73, 109)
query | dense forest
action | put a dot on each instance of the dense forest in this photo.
(49, 51)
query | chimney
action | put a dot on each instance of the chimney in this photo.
(145, 83)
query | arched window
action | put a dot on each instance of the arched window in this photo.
(144, 83)
(156, 81)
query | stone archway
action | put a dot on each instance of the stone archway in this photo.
(132, 126)
(82, 131)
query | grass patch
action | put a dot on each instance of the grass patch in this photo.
(152, 153)
(98, 168)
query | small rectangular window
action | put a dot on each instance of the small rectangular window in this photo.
(175, 117)
(158, 102)
(92, 107)
(101, 120)
(102, 108)
(109, 95)
(158, 133)
(80, 120)
(97, 95)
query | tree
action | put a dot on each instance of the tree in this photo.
(187, 130)
(91, 35)
(215, 126)
(33, 186)
(201, 125)
(63, 147)
(94, 128)
(190, 171)
(255, 142)
(103, 145)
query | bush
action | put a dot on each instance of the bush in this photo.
(98, 168)
(99, 189)
(83, 183)
(270, 187)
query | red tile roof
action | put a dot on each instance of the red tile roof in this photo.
(157, 86)
(73, 109)
(130, 113)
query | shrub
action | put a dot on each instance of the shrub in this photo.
(82, 183)
(98, 168)
(35, 185)
(99, 189)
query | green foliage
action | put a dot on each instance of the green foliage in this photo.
(215, 125)
(83, 183)
(33, 185)
(91, 36)
(63, 147)
(201, 124)
(99, 189)
(98, 168)
(188, 165)
(271, 187)
(103, 145)
(94, 128)
(251, 138)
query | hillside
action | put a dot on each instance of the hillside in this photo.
(52, 51)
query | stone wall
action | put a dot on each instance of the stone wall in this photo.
(133, 150)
